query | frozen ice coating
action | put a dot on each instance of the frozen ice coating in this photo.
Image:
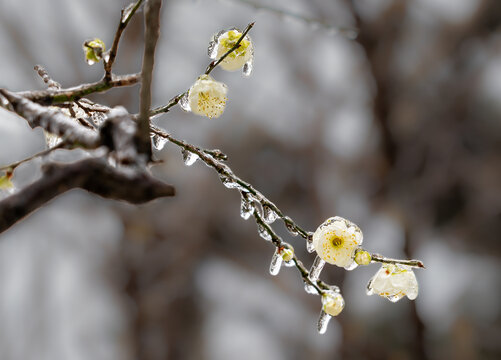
(158, 141)
(393, 282)
(336, 240)
(316, 268)
(189, 158)
(246, 208)
(263, 232)
(241, 57)
(269, 216)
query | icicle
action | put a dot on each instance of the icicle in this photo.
(309, 243)
(316, 268)
(269, 216)
(323, 322)
(246, 208)
(189, 157)
(263, 232)
(247, 69)
(184, 102)
(276, 263)
(158, 141)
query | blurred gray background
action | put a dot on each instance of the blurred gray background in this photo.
(399, 131)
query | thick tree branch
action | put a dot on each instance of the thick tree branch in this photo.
(93, 175)
(152, 32)
(52, 120)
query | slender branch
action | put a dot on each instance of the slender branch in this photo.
(49, 97)
(213, 64)
(381, 259)
(152, 32)
(125, 16)
(93, 175)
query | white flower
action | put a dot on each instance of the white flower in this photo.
(207, 97)
(336, 240)
(394, 282)
(224, 41)
(332, 303)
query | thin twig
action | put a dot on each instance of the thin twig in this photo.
(51, 84)
(128, 12)
(152, 24)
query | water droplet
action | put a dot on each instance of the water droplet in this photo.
(189, 158)
(247, 69)
(90, 62)
(316, 268)
(106, 57)
(158, 141)
(263, 232)
(184, 102)
(246, 208)
(323, 322)
(309, 243)
(276, 263)
(269, 216)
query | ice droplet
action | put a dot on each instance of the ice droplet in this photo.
(316, 268)
(246, 208)
(310, 289)
(247, 69)
(309, 243)
(184, 102)
(189, 158)
(90, 62)
(213, 48)
(289, 224)
(323, 322)
(126, 12)
(352, 266)
(269, 216)
(263, 232)
(158, 141)
(276, 263)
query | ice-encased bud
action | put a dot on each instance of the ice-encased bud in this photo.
(241, 57)
(189, 158)
(362, 257)
(246, 208)
(263, 232)
(269, 216)
(332, 303)
(206, 97)
(158, 141)
(393, 282)
(336, 240)
(94, 50)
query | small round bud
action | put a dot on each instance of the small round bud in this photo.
(362, 257)
(288, 253)
(332, 303)
(94, 50)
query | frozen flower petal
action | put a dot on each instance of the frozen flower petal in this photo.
(394, 282)
(207, 97)
(336, 241)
